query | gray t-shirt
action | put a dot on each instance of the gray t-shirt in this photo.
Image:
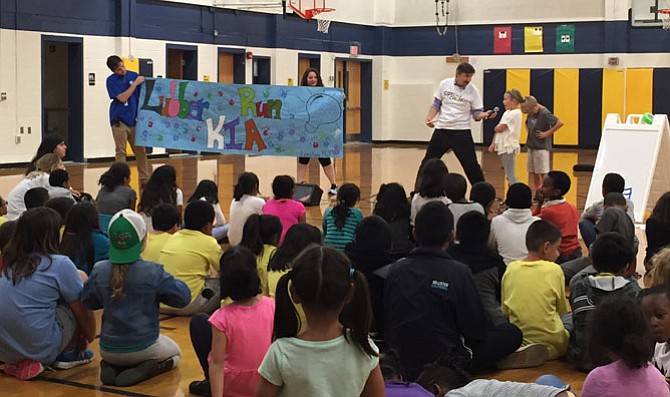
(540, 122)
(112, 201)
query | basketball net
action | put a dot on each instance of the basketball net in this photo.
(323, 20)
(664, 14)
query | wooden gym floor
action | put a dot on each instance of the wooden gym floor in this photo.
(366, 165)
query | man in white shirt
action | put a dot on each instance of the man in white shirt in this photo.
(455, 101)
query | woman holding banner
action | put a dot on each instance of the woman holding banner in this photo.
(312, 78)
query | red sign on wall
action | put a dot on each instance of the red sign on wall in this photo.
(502, 40)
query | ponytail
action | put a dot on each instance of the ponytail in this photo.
(119, 273)
(247, 183)
(286, 321)
(357, 314)
(347, 196)
(251, 234)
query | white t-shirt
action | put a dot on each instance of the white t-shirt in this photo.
(240, 211)
(15, 204)
(419, 201)
(662, 358)
(508, 140)
(457, 105)
(333, 368)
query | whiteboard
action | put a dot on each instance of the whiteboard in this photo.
(639, 153)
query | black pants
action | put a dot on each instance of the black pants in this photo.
(460, 141)
(324, 161)
(500, 342)
(201, 339)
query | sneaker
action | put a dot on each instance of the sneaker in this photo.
(332, 191)
(25, 369)
(528, 356)
(73, 358)
(200, 388)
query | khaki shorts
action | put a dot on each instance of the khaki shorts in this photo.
(538, 161)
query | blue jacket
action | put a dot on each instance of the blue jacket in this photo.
(131, 322)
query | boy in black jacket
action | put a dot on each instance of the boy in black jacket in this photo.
(432, 305)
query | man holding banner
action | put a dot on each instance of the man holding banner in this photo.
(122, 87)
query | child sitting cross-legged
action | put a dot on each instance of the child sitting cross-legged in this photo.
(129, 290)
(456, 188)
(261, 235)
(59, 184)
(613, 261)
(283, 206)
(533, 291)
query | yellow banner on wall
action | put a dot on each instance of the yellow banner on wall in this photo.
(533, 39)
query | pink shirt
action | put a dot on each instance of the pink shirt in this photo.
(249, 333)
(618, 380)
(288, 211)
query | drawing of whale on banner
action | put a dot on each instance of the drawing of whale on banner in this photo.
(242, 119)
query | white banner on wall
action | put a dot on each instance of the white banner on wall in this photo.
(641, 154)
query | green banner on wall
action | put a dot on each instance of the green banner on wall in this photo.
(565, 38)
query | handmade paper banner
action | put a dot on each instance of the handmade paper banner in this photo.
(533, 39)
(502, 40)
(565, 38)
(242, 119)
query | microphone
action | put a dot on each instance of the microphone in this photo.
(495, 111)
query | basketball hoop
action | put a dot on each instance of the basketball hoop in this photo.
(313, 9)
(664, 14)
(323, 22)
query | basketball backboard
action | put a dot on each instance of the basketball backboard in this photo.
(274, 6)
(644, 13)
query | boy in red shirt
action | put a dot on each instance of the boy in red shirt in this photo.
(553, 207)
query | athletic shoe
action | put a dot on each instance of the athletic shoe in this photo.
(200, 388)
(332, 191)
(25, 369)
(73, 358)
(528, 356)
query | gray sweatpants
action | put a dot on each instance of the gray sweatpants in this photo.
(508, 162)
(161, 350)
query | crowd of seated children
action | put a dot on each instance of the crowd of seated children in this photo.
(614, 264)
(335, 346)
(192, 255)
(44, 321)
(166, 223)
(261, 235)
(612, 183)
(231, 343)
(129, 290)
(456, 189)
(83, 241)
(393, 207)
(340, 222)
(370, 253)
(620, 337)
(533, 292)
(508, 230)
(208, 191)
(485, 194)
(245, 203)
(283, 206)
(553, 207)
(432, 307)
(486, 265)
(160, 188)
(431, 186)
(59, 184)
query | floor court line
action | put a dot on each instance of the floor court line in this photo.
(93, 387)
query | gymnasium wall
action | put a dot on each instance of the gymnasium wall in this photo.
(399, 37)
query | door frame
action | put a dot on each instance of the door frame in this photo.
(75, 133)
(366, 95)
(184, 48)
(239, 63)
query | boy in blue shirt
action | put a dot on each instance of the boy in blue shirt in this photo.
(122, 87)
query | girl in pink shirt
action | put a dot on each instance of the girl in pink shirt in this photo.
(241, 331)
(283, 206)
(621, 335)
